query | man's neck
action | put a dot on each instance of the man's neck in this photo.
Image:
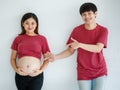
(90, 26)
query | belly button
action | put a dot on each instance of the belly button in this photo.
(28, 66)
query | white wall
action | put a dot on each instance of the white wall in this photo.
(57, 19)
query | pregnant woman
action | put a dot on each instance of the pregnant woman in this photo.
(27, 50)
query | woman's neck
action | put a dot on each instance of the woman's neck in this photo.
(90, 26)
(31, 34)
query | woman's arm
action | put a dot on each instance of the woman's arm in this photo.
(13, 60)
(14, 64)
(46, 62)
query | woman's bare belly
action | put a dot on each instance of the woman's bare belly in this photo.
(29, 64)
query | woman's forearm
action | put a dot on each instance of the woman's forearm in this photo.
(13, 63)
(13, 60)
(44, 65)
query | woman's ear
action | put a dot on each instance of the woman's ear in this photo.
(23, 24)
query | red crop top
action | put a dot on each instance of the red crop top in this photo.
(26, 45)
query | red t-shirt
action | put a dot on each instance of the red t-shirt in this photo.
(26, 45)
(90, 65)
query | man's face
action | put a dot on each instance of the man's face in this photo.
(89, 17)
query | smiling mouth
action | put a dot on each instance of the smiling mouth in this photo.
(29, 28)
(87, 19)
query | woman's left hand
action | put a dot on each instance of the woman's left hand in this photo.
(35, 73)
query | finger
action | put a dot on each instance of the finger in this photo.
(51, 60)
(47, 54)
(73, 39)
(46, 58)
(68, 45)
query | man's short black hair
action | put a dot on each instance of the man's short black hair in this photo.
(87, 7)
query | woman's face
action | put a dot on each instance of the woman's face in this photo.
(30, 25)
(89, 17)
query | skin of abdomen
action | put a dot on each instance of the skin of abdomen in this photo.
(29, 64)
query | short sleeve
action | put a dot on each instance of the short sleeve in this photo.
(14, 45)
(103, 37)
(45, 46)
(72, 35)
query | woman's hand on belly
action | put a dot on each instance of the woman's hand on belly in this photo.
(35, 73)
(20, 72)
(29, 65)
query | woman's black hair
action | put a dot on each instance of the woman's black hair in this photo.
(27, 16)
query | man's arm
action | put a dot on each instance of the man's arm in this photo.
(88, 47)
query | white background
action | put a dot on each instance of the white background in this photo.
(57, 19)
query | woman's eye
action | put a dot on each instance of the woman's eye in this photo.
(26, 23)
(33, 23)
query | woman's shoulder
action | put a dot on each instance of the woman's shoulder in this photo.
(41, 37)
(18, 36)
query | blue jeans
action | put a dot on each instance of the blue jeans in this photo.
(95, 84)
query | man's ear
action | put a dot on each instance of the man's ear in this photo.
(95, 14)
